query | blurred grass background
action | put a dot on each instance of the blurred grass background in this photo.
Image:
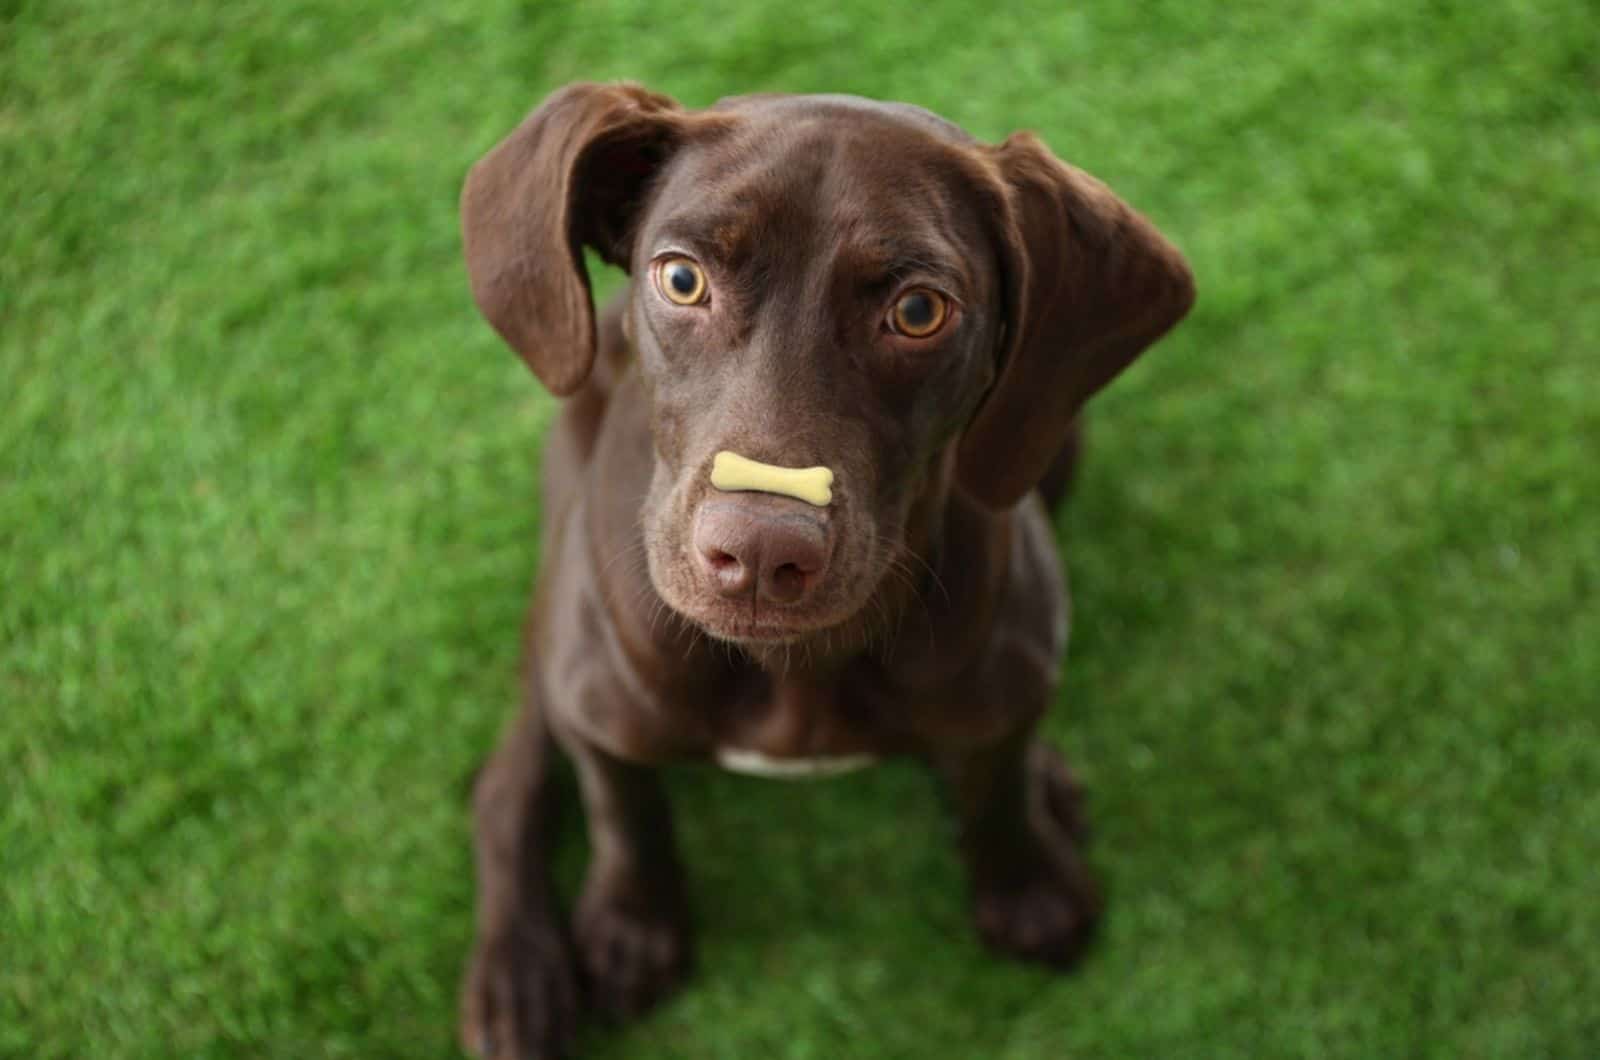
(268, 520)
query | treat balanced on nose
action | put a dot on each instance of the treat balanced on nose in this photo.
(731, 473)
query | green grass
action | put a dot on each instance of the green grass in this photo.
(268, 520)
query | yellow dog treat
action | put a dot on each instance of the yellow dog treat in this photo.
(732, 472)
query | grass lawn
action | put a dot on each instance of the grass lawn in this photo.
(268, 519)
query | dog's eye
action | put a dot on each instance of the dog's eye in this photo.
(919, 313)
(681, 281)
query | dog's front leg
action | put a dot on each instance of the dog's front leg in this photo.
(1018, 813)
(632, 925)
(520, 996)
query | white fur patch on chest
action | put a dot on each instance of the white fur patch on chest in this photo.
(756, 764)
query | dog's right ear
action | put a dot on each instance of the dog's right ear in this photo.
(572, 174)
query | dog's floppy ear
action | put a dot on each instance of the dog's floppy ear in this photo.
(1088, 285)
(572, 174)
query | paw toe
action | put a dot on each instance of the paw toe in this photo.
(1047, 915)
(631, 963)
(520, 998)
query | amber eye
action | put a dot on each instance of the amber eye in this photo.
(681, 281)
(919, 313)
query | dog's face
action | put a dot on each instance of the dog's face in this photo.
(814, 287)
(817, 282)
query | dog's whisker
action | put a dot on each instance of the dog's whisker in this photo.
(911, 553)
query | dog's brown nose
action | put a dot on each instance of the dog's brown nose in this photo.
(771, 546)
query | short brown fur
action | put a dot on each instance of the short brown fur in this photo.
(924, 612)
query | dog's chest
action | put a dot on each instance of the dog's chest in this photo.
(797, 729)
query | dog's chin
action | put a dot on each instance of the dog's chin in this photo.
(755, 626)
(736, 622)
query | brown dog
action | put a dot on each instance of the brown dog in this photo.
(819, 282)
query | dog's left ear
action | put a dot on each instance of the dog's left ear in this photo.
(572, 174)
(1088, 285)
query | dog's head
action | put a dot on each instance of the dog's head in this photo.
(818, 282)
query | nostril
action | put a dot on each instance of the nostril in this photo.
(786, 584)
(727, 571)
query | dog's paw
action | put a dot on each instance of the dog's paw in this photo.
(632, 958)
(520, 1000)
(1064, 799)
(1045, 912)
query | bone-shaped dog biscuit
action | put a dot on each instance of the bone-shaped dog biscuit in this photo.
(732, 473)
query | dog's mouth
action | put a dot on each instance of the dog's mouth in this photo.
(751, 622)
(738, 622)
